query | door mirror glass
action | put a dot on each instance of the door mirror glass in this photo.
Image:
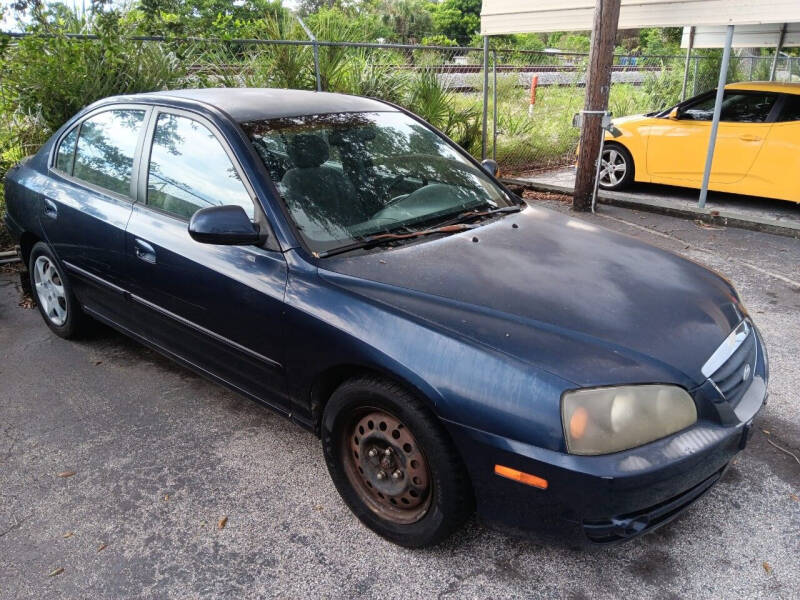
(490, 166)
(674, 114)
(223, 225)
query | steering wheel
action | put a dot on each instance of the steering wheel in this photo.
(396, 180)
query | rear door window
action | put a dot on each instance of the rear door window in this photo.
(106, 148)
(791, 108)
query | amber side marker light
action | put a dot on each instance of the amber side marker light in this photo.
(525, 478)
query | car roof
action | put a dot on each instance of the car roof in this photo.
(766, 86)
(255, 104)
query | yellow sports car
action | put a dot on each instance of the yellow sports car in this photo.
(757, 151)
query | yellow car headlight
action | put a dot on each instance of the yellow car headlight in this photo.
(606, 420)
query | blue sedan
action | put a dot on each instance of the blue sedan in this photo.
(342, 262)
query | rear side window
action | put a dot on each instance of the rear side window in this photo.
(66, 152)
(189, 170)
(106, 145)
(791, 108)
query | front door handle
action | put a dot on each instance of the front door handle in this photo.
(50, 208)
(747, 137)
(144, 251)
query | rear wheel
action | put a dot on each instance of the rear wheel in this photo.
(393, 464)
(616, 167)
(53, 294)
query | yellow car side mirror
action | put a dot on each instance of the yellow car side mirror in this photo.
(673, 114)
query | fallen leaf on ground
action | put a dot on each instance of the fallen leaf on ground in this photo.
(66, 473)
(766, 566)
(102, 547)
(69, 534)
(98, 362)
(57, 571)
(765, 431)
(794, 497)
(222, 522)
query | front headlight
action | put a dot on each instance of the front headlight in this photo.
(605, 420)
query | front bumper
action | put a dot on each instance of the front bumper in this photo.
(597, 499)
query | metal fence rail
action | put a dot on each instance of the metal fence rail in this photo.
(445, 85)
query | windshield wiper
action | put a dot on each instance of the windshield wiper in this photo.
(474, 214)
(384, 238)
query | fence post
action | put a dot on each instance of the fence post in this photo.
(314, 49)
(485, 94)
(494, 105)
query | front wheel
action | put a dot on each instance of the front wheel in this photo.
(616, 167)
(393, 463)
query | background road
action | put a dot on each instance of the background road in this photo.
(160, 455)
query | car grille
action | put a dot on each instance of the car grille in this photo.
(735, 374)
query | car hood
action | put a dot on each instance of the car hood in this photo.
(577, 300)
(629, 119)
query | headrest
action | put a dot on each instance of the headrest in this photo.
(307, 150)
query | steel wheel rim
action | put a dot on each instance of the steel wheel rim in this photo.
(386, 467)
(613, 167)
(50, 291)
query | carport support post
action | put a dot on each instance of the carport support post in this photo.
(485, 95)
(778, 49)
(689, 47)
(598, 84)
(712, 139)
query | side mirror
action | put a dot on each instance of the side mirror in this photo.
(674, 114)
(490, 166)
(224, 226)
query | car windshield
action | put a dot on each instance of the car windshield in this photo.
(347, 176)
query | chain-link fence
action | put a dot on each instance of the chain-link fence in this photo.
(444, 85)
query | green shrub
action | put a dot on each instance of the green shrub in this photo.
(56, 76)
(461, 121)
(364, 77)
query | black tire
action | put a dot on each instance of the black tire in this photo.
(448, 499)
(74, 320)
(624, 170)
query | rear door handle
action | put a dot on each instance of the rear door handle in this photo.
(50, 208)
(750, 138)
(144, 251)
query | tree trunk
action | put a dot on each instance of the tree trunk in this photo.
(598, 84)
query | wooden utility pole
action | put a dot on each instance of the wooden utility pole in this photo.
(598, 83)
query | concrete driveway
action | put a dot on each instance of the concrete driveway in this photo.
(159, 456)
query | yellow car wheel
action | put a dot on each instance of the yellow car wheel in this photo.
(616, 167)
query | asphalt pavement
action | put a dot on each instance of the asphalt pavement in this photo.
(162, 457)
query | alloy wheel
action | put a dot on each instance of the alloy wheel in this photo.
(613, 167)
(386, 467)
(50, 292)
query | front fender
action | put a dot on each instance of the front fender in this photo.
(330, 322)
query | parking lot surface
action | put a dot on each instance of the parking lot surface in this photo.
(161, 456)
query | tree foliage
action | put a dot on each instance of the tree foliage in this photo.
(458, 19)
